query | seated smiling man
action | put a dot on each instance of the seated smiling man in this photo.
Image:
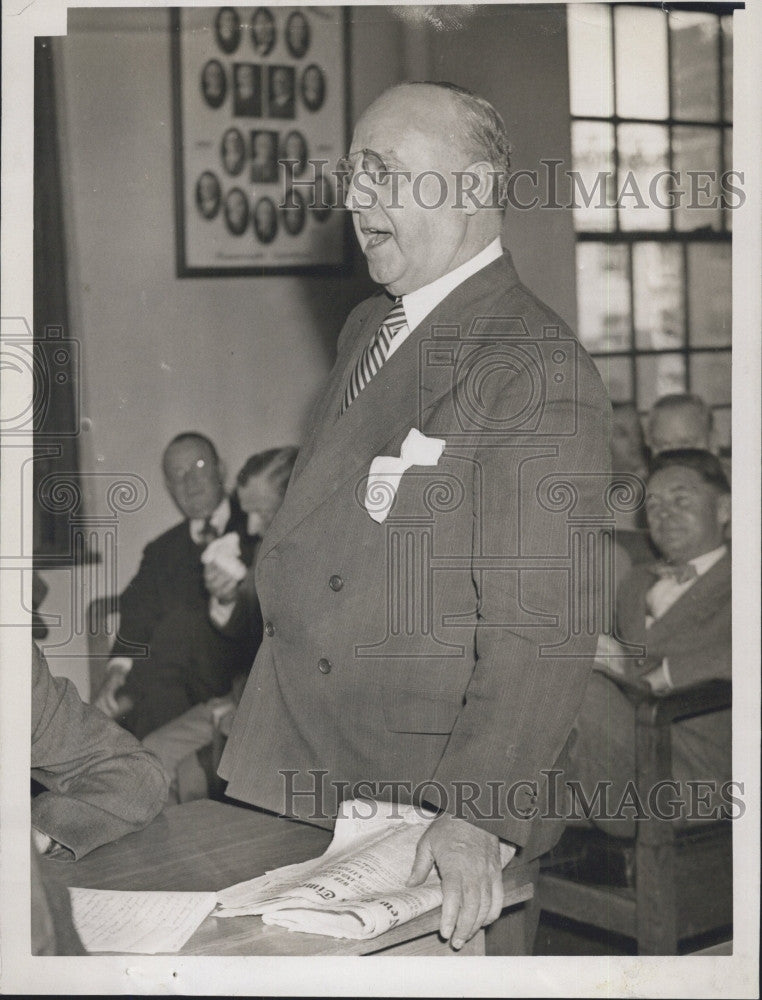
(168, 656)
(680, 610)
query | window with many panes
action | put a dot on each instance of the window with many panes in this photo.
(651, 120)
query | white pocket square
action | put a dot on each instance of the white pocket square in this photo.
(386, 471)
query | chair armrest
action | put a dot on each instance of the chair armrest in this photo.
(654, 716)
(682, 703)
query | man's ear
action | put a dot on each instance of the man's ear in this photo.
(476, 187)
(724, 509)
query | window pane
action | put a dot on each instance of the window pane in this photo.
(641, 62)
(657, 270)
(659, 375)
(709, 295)
(643, 153)
(695, 66)
(727, 158)
(591, 80)
(593, 158)
(710, 377)
(603, 296)
(727, 67)
(616, 374)
(697, 150)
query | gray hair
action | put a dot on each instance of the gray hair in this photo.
(484, 133)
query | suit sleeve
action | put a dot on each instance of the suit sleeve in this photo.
(100, 782)
(141, 606)
(712, 662)
(525, 691)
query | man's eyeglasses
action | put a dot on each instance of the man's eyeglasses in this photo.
(370, 163)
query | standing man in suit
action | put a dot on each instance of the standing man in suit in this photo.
(679, 609)
(414, 583)
(168, 656)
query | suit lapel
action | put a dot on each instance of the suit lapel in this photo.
(393, 400)
(696, 603)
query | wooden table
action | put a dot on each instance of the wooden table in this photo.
(207, 846)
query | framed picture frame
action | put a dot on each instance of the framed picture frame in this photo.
(261, 117)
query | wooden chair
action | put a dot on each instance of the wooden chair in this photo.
(683, 874)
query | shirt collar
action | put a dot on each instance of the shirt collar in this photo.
(219, 519)
(704, 563)
(419, 304)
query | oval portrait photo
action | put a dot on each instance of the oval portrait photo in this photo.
(214, 84)
(233, 151)
(297, 34)
(263, 31)
(208, 194)
(227, 29)
(294, 212)
(265, 220)
(236, 211)
(312, 87)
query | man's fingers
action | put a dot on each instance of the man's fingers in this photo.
(423, 863)
(467, 923)
(451, 901)
(497, 900)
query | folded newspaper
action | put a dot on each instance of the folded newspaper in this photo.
(357, 888)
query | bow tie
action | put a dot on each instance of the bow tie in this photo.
(680, 572)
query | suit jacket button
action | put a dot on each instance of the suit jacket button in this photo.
(324, 666)
(269, 629)
(335, 583)
(641, 661)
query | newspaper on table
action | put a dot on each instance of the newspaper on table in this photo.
(357, 888)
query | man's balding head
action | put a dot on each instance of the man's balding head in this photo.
(422, 192)
(681, 420)
(193, 474)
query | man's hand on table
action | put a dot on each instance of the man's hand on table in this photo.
(468, 862)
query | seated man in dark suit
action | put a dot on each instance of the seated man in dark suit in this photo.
(234, 609)
(168, 656)
(94, 783)
(680, 611)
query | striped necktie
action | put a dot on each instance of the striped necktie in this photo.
(375, 354)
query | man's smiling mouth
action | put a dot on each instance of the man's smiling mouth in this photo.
(374, 237)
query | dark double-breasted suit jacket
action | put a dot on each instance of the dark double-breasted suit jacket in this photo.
(179, 657)
(451, 643)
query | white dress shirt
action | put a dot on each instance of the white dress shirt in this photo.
(218, 520)
(419, 304)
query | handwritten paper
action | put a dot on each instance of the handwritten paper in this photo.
(147, 923)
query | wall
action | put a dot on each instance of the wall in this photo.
(241, 358)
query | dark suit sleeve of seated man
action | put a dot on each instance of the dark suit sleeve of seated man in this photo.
(100, 782)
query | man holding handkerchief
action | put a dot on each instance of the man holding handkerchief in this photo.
(430, 612)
